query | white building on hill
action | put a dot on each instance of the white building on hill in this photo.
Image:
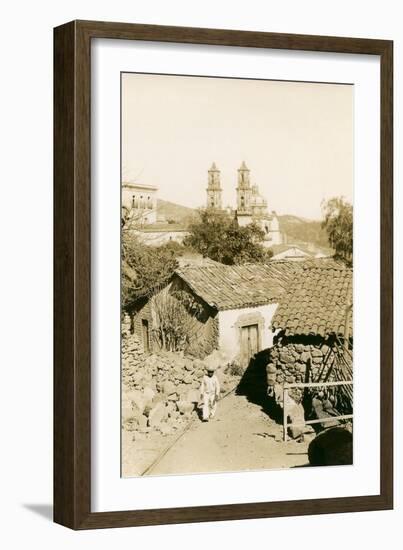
(139, 203)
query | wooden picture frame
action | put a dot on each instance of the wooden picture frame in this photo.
(72, 272)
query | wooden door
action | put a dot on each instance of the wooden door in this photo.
(249, 342)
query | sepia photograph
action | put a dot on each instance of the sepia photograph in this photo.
(236, 274)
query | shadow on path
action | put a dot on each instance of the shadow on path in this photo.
(253, 385)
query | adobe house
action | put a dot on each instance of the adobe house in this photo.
(229, 308)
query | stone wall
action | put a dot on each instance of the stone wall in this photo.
(293, 361)
(160, 391)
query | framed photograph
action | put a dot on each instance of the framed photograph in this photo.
(222, 274)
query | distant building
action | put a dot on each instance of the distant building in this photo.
(251, 206)
(157, 234)
(299, 252)
(139, 203)
(139, 206)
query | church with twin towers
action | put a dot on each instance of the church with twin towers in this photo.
(251, 206)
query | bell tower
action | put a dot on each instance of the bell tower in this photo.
(214, 190)
(243, 191)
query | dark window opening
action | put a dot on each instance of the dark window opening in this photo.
(146, 335)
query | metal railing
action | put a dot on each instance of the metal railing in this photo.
(287, 387)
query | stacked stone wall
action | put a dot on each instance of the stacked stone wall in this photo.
(293, 362)
(160, 390)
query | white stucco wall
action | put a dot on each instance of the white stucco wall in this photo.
(291, 253)
(157, 238)
(145, 208)
(228, 320)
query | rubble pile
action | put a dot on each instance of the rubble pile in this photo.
(160, 391)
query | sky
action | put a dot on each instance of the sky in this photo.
(295, 137)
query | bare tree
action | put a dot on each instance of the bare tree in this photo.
(175, 326)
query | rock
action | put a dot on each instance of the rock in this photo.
(185, 407)
(271, 368)
(315, 352)
(173, 397)
(156, 399)
(300, 367)
(271, 379)
(299, 348)
(193, 396)
(198, 365)
(173, 416)
(317, 360)
(127, 410)
(142, 421)
(188, 364)
(168, 387)
(315, 371)
(170, 406)
(331, 448)
(284, 357)
(148, 394)
(182, 389)
(305, 356)
(295, 412)
(157, 413)
(137, 399)
(273, 353)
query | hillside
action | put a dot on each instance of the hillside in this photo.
(303, 230)
(171, 211)
(297, 229)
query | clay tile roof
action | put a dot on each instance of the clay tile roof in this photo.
(236, 286)
(316, 301)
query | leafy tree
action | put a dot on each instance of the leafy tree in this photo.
(338, 222)
(216, 235)
(144, 268)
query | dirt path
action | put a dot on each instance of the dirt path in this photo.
(240, 437)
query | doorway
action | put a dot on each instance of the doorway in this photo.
(146, 335)
(249, 342)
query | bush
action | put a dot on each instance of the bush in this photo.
(235, 369)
